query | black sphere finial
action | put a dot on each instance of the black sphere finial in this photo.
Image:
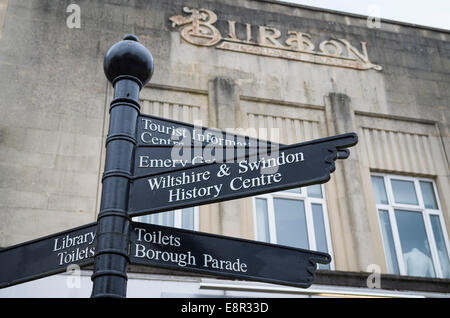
(129, 58)
(131, 37)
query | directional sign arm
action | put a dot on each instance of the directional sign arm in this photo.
(337, 146)
(165, 145)
(292, 166)
(205, 253)
(154, 131)
(47, 255)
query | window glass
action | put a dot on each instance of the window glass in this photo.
(187, 218)
(144, 218)
(184, 218)
(414, 243)
(283, 218)
(319, 231)
(164, 218)
(295, 190)
(315, 191)
(404, 192)
(440, 244)
(389, 250)
(290, 222)
(262, 220)
(428, 195)
(379, 190)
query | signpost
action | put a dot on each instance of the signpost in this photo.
(155, 164)
(128, 65)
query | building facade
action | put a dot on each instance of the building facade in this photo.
(276, 71)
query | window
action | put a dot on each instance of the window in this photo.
(295, 217)
(182, 218)
(413, 231)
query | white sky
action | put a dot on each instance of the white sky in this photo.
(433, 13)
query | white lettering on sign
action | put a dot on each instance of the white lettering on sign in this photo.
(146, 247)
(263, 163)
(181, 194)
(174, 135)
(157, 238)
(67, 241)
(235, 266)
(180, 259)
(147, 162)
(198, 29)
(75, 255)
(239, 183)
(185, 178)
(68, 247)
(264, 166)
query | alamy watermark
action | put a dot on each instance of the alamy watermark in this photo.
(214, 146)
(374, 279)
(199, 145)
(73, 21)
(73, 279)
(374, 16)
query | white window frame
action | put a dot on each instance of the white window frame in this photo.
(177, 222)
(308, 201)
(426, 213)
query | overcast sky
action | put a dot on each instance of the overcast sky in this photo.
(434, 13)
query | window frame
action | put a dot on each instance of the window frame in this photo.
(425, 212)
(308, 201)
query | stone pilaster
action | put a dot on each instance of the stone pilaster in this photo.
(224, 113)
(360, 244)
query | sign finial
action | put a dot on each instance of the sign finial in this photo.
(131, 37)
(129, 58)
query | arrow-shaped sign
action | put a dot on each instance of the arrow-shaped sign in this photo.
(153, 131)
(165, 145)
(206, 253)
(292, 166)
(47, 255)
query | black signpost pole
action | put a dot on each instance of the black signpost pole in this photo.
(128, 66)
(127, 192)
